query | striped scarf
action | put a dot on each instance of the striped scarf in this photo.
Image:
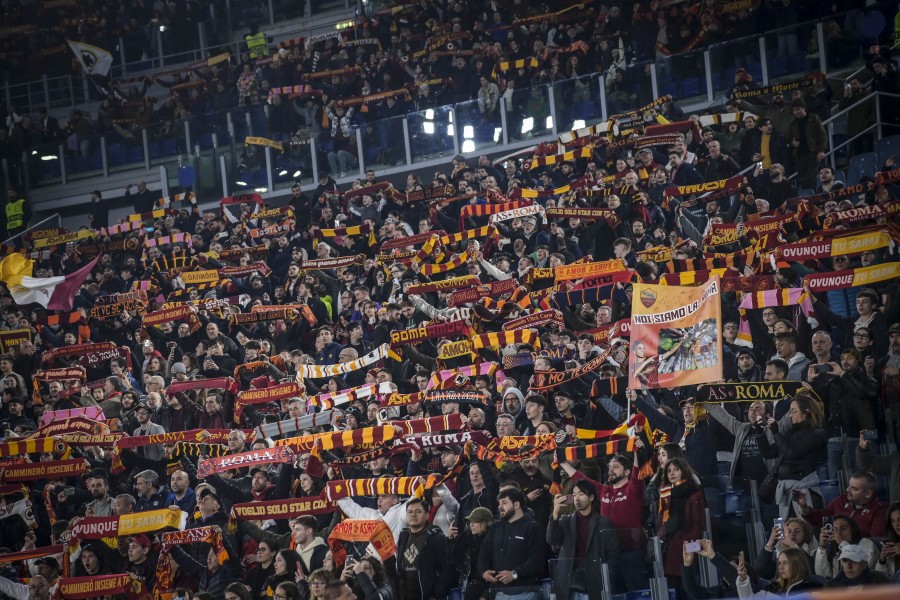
(590, 451)
(544, 161)
(355, 230)
(724, 118)
(332, 399)
(484, 290)
(121, 228)
(264, 396)
(534, 210)
(768, 299)
(322, 371)
(538, 319)
(450, 422)
(520, 299)
(585, 214)
(154, 214)
(735, 261)
(341, 440)
(594, 295)
(430, 332)
(436, 397)
(440, 378)
(501, 339)
(691, 277)
(523, 359)
(609, 387)
(485, 210)
(289, 426)
(853, 277)
(175, 238)
(35, 446)
(382, 486)
(396, 399)
(454, 263)
(546, 380)
(488, 231)
(250, 458)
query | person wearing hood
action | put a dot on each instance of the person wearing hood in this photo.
(514, 405)
(747, 369)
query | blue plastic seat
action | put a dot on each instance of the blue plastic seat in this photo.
(778, 67)
(690, 87)
(830, 490)
(736, 503)
(886, 147)
(861, 165)
(135, 154)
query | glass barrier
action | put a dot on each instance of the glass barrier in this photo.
(844, 45)
(528, 113)
(682, 76)
(629, 88)
(628, 572)
(430, 133)
(293, 165)
(44, 164)
(481, 125)
(84, 155)
(791, 52)
(575, 100)
(383, 144)
(725, 60)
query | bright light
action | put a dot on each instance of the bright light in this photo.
(49, 157)
(468, 132)
(549, 123)
(450, 116)
(468, 146)
(260, 190)
(450, 130)
(33, 152)
(296, 174)
(527, 124)
(242, 183)
(578, 124)
(428, 127)
(282, 172)
(429, 114)
(497, 132)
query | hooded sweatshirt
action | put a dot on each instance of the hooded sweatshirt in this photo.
(520, 419)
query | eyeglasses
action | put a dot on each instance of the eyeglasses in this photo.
(316, 583)
(861, 336)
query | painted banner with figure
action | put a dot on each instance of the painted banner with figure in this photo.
(675, 335)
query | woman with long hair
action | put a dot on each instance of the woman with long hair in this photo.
(792, 576)
(262, 570)
(664, 453)
(681, 515)
(798, 450)
(286, 565)
(831, 540)
(237, 591)
(889, 558)
(372, 580)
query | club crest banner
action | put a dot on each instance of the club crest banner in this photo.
(675, 335)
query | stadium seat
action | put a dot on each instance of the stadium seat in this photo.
(885, 147)
(135, 153)
(778, 67)
(830, 490)
(690, 87)
(736, 503)
(861, 165)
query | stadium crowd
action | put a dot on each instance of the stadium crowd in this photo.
(391, 392)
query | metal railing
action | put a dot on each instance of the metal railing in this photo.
(56, 216)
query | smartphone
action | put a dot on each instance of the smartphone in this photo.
(692, 547)
(779, 522)
(871, 436)
(828, 523)
(822, 368)
(759, 165)
(68, 491)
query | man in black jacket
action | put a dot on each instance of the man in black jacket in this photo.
(423, 570)
(512, 555)
(578, 568)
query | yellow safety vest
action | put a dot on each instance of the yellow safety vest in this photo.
(15, 214)
(257, 45)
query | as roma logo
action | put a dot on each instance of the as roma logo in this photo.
(648, 298)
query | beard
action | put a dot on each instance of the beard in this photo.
(614, 479)
(507, 515)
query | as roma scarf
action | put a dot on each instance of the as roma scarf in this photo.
(179, 313)
(769, 391)
(153, 214)
(332, 399)
(76, 350)
(590, 451)
(356, 230)
(839, 246)
(31, 554)
(445, 285)
(485, 210)
(322, 371)
(436, 397)
(396, 399)
(605, 333)
(586, 214)
(736, 261)
(198, 535)
(249, 459)
(273, 230)
(429, 269)
(264, 396)
(318, 264)
(547, 380)
(366, 436)
(375, 532)
(209, 436)
(501, 339)
(488, 231)
(226, 384)
(380, 486)
(538, 319)
(281, 509)
(731, 184)
(100, 586)
(455, 349)
(71, 425)
(754, 283)
(486, 290)
(523, 359)
(770, 298)
(461, 375)
(289, 426)
(449, 422)
(33, 446)
(410, 241)
(431, 332)
(55, 469)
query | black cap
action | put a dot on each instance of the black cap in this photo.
(49, 561)
(209, 492)
(94, 474)
(744, 350)
(143, 405)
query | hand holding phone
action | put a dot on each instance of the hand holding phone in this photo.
(693, 547)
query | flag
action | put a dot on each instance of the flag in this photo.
(675, 335)
(94, 60)
(14, 267)
(53, 293)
